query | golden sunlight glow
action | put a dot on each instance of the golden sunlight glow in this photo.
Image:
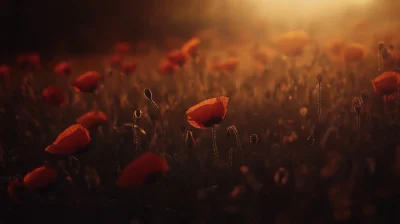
(306, 7)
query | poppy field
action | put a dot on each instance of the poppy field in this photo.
(256, 123)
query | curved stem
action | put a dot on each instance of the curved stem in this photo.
(214, 142)
(233, 131)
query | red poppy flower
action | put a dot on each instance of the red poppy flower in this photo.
(129, 67)
(53, 96)
(63, 68)
(387, 83)
(40, 178)
(136, 172)
(71, 141)
(92, 118)
(4, 70)
(29, 61)
(122, 48)
(115, 61)
(354, 52)
(168, 68)
(190, 47)
(208, 112)
(293, 43)
(177, 57)
(87, 82)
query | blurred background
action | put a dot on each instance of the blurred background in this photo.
(77, 26)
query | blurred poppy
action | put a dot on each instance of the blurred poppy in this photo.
(262, 57)
(191, 46)
(128, 67)
(228, 65)
(63, 68)
(87, 82)
(177, 57)
(387, 83)
(4, 70)
(91, 119)
(138, 171)
(40, 178)
(354, 52)
(122, 48)
(71, 141)
(115, 61)
(53, 96)
(208, 112)
(293, 43)
(168, 68)
(335, 47)
(29, 61)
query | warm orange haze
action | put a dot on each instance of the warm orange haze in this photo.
(227, 111)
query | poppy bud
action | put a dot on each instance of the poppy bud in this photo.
(137, 114)
(148, 94)
(319, 78)
(381, 45)
(253, 139)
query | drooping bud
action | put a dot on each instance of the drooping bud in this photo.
(148, 94)
(137, 114)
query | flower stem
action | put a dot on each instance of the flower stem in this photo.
(162, 124)
(230, 158)
(233, 131)
(214, 141)
(135, 137)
